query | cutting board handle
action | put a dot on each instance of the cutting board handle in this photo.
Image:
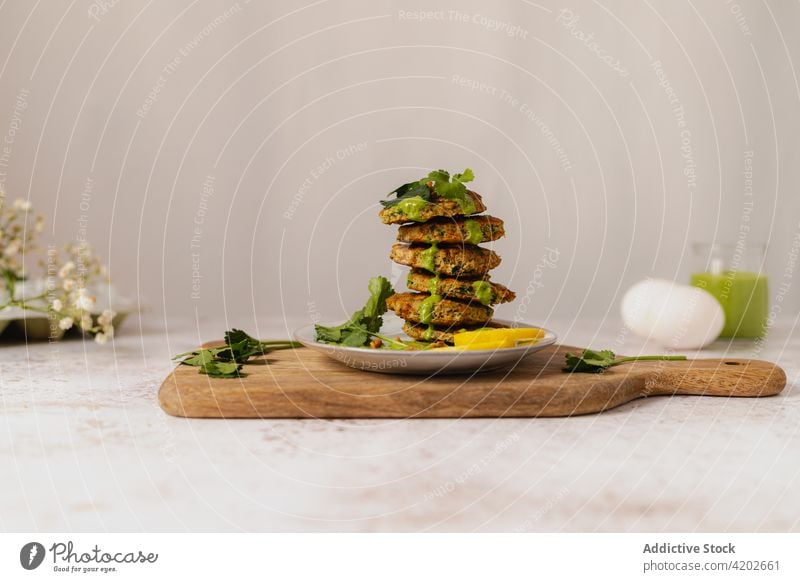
(726, 377)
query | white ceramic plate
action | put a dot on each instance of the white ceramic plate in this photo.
(423, 362)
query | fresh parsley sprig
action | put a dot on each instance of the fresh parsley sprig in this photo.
(594, 362)
(364, 323)
(438, 182)
(226, 361)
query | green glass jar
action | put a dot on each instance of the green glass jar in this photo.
(734, 275)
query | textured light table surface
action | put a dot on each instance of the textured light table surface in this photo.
(85, 447)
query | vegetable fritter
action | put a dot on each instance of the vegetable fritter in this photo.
(481, 289)
(460, 260)
(420, 332)
(420, 210)
(458, 230)
(445, 312)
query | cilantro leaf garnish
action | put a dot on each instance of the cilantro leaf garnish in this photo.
(364, 323)
(436, 182)
(448, 187)
(594, 362)
(227, 361)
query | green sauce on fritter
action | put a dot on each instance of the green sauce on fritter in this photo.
(412, 207)
(474, 232)
(466, 203)
(483, 291)
(426, 308)
(428, 258)
(433, 284)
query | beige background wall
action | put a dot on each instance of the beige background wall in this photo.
(249, 142)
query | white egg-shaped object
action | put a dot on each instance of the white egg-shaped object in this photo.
(675, 316)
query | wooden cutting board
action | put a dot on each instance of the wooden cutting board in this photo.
(305, 384)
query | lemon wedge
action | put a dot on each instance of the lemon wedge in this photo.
(494, 338)
(475, 346)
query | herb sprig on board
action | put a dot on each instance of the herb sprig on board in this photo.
(438, 182)
(227, 361)
(594, 362)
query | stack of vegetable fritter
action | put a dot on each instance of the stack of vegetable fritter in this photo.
(442, 228)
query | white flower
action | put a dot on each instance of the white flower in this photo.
(12, 248)
(69, 284)
(65, 323)
(101, 338)
(66, 269)
(84, 301)
(57, 305)
(106, 318)
(22, 204)
(86, 322)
